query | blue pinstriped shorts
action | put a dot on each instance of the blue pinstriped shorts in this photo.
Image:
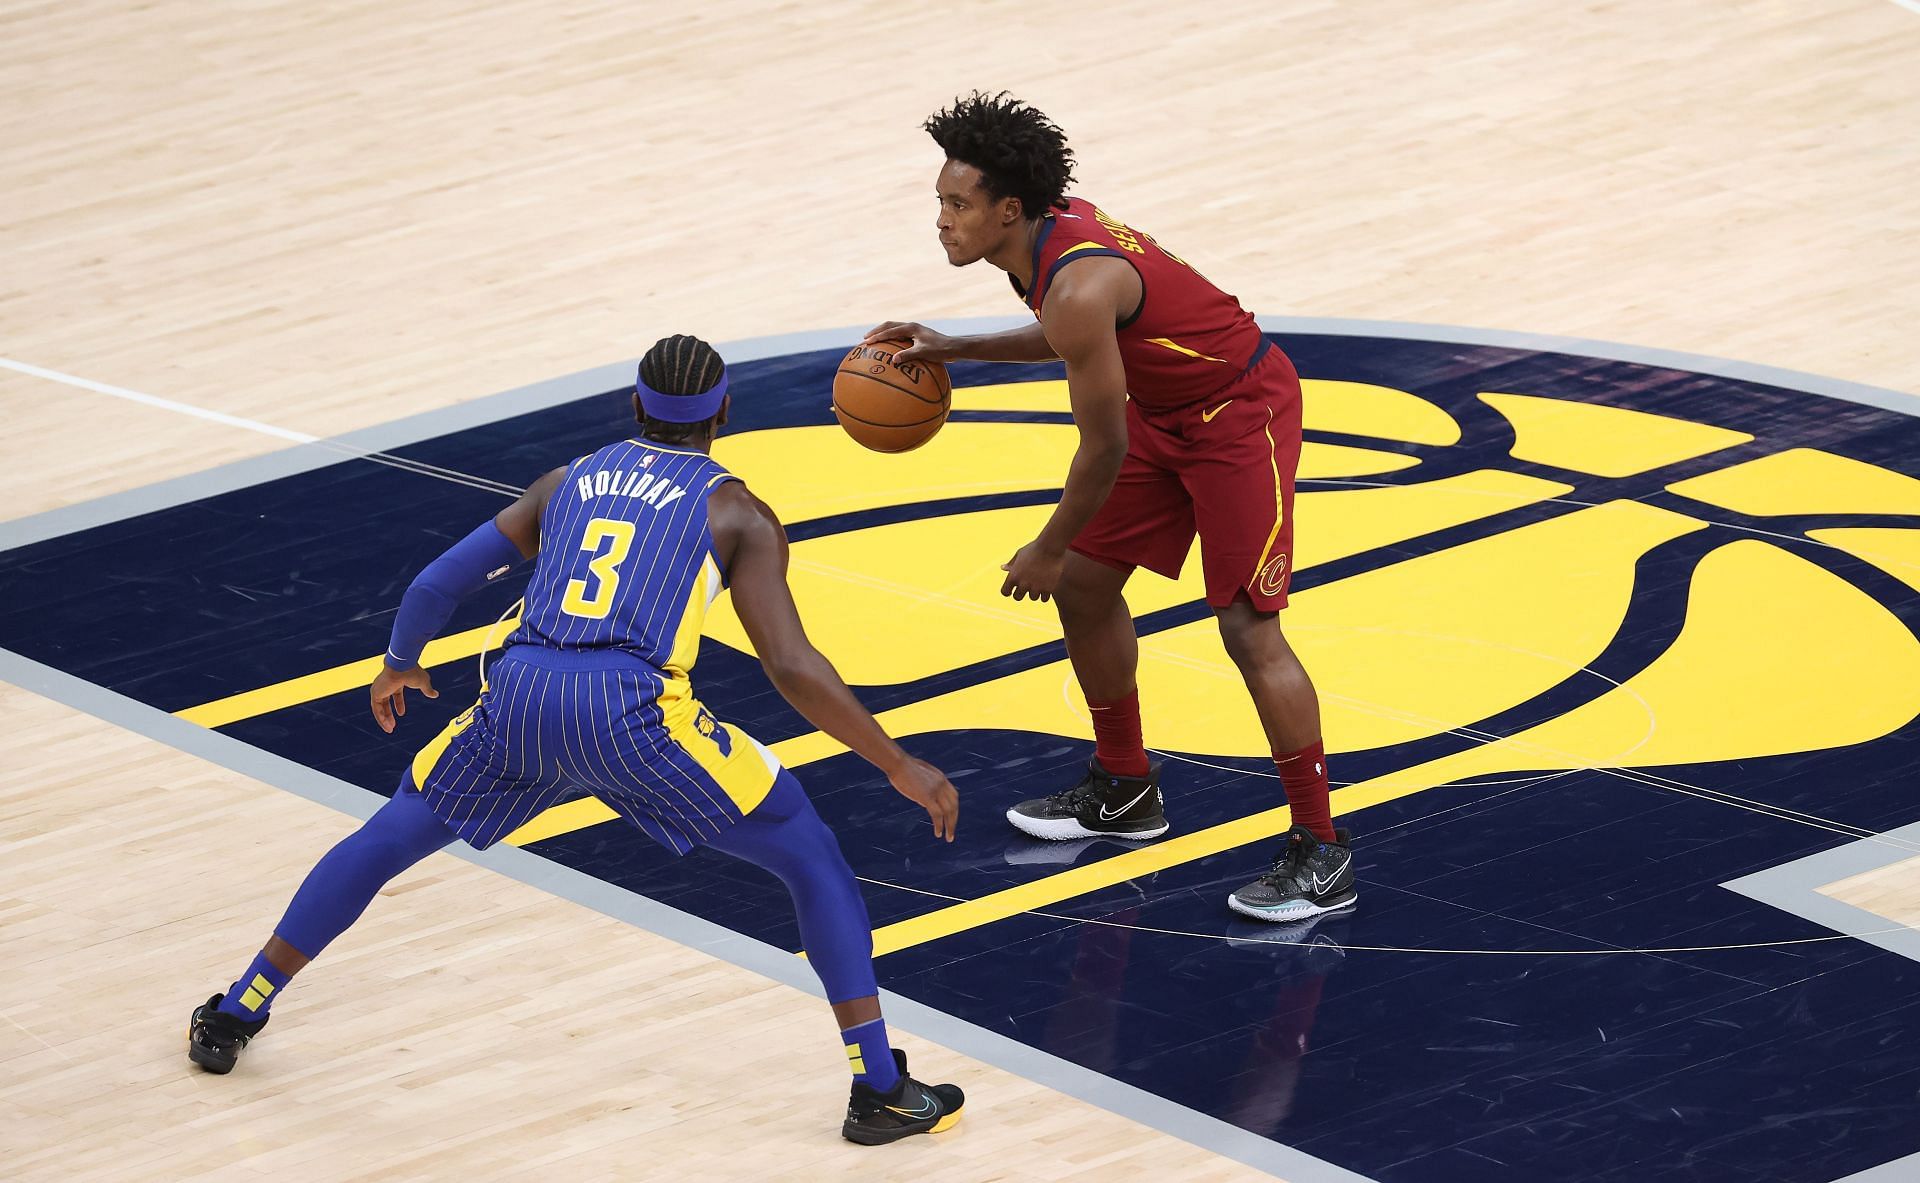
(554, 725)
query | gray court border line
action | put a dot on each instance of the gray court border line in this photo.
(478, 412)
(1794, 888)
(1189, 1125)
(1790, 892)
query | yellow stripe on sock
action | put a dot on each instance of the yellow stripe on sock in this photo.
(252, 999)
(262, 985)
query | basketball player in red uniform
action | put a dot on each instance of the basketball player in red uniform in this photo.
(1189, 421)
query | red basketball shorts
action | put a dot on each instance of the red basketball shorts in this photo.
(1223, 469)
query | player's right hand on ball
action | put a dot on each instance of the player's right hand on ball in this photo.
(928, 787)
(928, 345)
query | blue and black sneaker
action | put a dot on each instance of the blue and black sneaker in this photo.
(875, 1118)
(1308, 878)
(215, 1039)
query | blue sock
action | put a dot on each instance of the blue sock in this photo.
(870, 1056)
(253, 992)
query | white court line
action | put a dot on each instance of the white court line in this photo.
(299, 437)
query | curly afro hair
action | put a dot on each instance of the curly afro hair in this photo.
(1018, 150)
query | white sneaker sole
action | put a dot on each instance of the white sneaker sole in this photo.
(1289, 912)
(1066, 829)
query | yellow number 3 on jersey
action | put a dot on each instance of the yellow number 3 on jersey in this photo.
(605, 568)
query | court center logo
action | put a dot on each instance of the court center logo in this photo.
(1495, 572)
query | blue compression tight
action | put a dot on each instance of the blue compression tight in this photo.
(785, 836)
(344, 882)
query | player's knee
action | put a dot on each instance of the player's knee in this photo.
(1089, 591)
(816, 843)
(378, 856)
(1251, 638)
(398, 835)
(1083, 605)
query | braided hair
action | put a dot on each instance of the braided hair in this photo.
(679, 365)
(1018, 150)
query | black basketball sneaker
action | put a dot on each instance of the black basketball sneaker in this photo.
(1310, 877)
(875, 1118)
(1101, 805)
(216, 1039)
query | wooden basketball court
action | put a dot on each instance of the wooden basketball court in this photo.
(231, 233)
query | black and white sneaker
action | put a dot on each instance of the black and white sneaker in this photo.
(1309, 878)
(875, 1118)
(215, 1039)
(1101, 805)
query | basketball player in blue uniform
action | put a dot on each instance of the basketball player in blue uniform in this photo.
(631, 544)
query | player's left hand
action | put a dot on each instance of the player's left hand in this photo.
(1033, 573)
(390, 693)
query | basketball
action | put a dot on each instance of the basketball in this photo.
(886, 405)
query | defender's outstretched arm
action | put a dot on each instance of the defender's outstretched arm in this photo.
(753, 547)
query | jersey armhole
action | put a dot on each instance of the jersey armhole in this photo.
(1139, 308)
(713, 552)
(1095, 253)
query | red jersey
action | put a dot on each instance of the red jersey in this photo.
(1185, 342)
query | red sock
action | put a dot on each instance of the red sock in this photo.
(1116, 735)
(1304, 773)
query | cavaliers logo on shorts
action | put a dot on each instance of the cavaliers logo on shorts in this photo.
(1271, 580)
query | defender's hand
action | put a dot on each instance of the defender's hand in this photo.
(927, 345)
(390, 693)
(927, 787)
(1033, 573)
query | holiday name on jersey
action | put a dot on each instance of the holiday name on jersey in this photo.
(657, 493)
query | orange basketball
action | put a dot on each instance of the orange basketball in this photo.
(886, 405)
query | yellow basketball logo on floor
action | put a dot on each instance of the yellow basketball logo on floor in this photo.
(1434, 642)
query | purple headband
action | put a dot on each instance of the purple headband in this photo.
(681, 408)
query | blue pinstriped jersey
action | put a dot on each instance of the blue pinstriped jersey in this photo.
(626, 556)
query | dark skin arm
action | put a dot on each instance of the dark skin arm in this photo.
(520, 522)
(1026, 343)
(752, 545)
(1083, 307)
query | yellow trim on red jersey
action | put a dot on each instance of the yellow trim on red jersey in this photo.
(1279, 498)
(1169, 343)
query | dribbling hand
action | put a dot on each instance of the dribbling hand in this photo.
(1033, 573)
(927, 787)
(390, 693)
(928, 345)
